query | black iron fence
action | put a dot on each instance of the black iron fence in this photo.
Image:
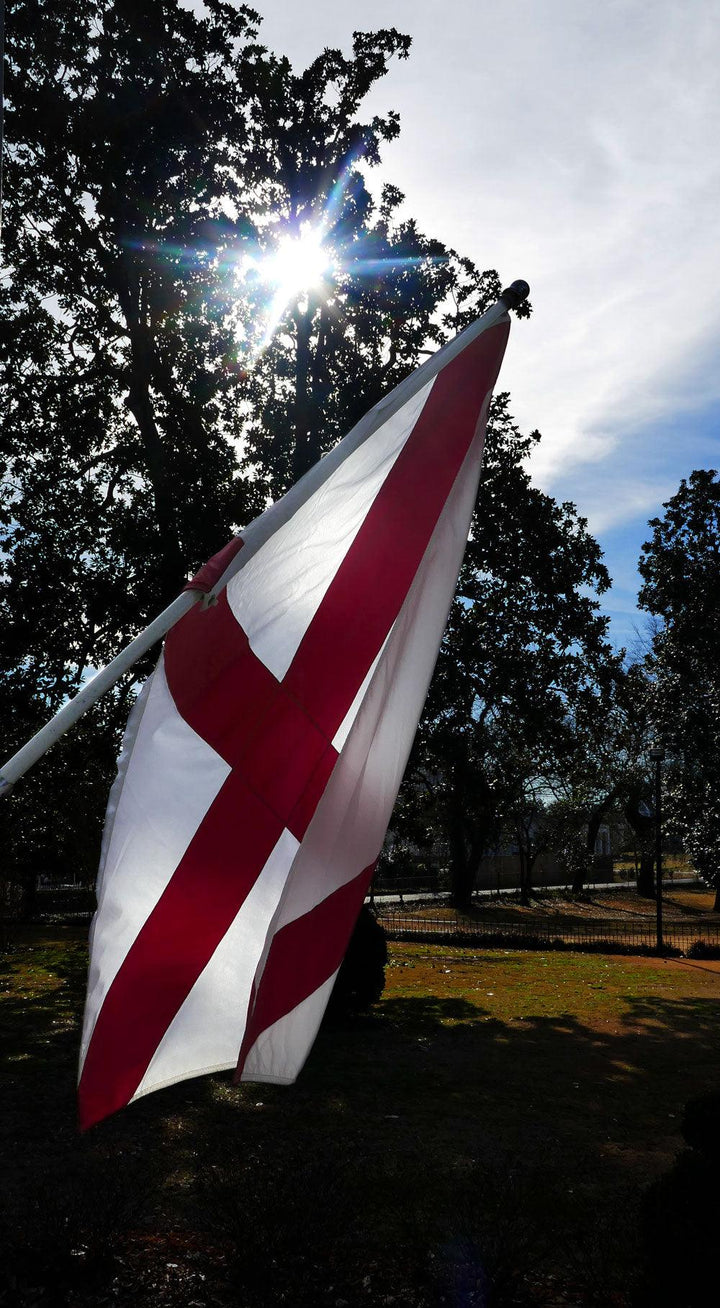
(610, 934)
(549, 933)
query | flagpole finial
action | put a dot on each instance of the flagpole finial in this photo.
(514, 294)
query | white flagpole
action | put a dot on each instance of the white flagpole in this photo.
(69, 714)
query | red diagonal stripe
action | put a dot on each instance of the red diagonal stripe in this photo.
(174, 945)
(368, 590)
(302, 956)
(347, 632)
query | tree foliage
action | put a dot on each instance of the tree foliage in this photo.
(155, 155)
(149, 148)
(524, 669)
(680, 567)
(391, 294)
(157, 390)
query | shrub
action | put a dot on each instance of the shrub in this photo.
(361, 979)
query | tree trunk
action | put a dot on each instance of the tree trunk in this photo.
(462, 875)
(28, 894)
(582, 870)
(525, 878)
(173, 564)
(302, 454)
(580, 874)
(716, 905)
(463, 884)
(462, 846)
(140, 404)
(646, 879)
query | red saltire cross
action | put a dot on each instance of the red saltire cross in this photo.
(277, 735)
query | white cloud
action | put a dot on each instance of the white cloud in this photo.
(614, 502)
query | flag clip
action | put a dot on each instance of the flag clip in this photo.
(208, 601)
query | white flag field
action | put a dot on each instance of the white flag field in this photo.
(263, 757)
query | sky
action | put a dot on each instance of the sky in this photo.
(573, 144)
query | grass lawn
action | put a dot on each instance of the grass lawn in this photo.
(485, 1137)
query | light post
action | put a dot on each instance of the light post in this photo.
(657, 754)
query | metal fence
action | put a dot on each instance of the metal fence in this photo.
(416, 884)
(595, 933)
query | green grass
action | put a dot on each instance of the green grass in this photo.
(485, 1137)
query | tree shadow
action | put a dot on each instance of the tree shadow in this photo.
(431, 1153)
(513, 1154)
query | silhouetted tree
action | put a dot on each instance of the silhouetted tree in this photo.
(155, 156)
(608, 770)
(680, 567)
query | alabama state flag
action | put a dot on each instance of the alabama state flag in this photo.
(262, 759)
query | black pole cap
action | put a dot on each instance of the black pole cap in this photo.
(514, 294)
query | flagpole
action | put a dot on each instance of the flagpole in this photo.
(68, 715)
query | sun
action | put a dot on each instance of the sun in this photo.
(299, 264)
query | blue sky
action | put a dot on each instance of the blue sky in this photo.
(575, 145)
(661, 453)
(628, 486)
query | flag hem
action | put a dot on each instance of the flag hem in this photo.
(184, 1076)
(266, 1079)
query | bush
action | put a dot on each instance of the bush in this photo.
(361, 979)
(702, 950)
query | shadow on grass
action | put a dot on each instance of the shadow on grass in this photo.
(430, 1155)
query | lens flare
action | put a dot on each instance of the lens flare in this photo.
(299, 264)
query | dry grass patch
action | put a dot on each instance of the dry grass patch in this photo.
(680, 904)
